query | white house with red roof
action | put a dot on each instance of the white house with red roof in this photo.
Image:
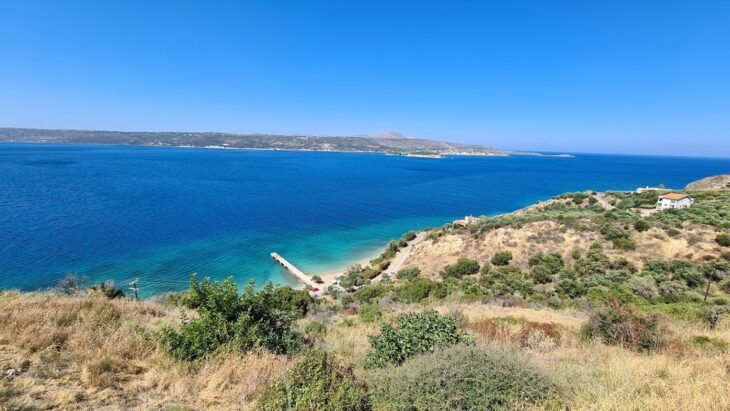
(674, 200)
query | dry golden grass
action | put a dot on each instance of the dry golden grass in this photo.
(90, 352)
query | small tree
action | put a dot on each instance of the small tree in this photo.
(723, 239)
(641, 226)
(502, 258)
(464, 266)
(715, 270)
(71, 284)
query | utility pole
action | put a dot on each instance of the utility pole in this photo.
(133, 287)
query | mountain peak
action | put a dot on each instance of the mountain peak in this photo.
(389, 134)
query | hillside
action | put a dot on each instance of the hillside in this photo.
(577, 302)
(721, 182)
(382, 143)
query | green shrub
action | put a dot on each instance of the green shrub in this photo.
(316, 382)
(409, 236)
(371, 292)
(553, 262)
(501, 258)
(408, 274)
(641, 226)
(317, 279)
(626, 244)
(672, 291)
(370, 313)
(463, 378)
(541, 274)
(227, 319)
(109, 289)
(464, 266)
(570, 288)
(619, 324)
(645, 287)
(506, 280)
(420, 289)
(413, 334)
(709, 343)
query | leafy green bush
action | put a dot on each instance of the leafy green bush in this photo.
(370, 313)
(408, 274)
(506, 280)
(464, 266)
(371, 292)
(462, 378)
(502, 258)
(619, 324)
(317, 279)
(227, 319)
(316, 382)
(409, 236)
(641, 226)
(420, 289)
(413, 334)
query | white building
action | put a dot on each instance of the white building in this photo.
(470, 219)
(674, 200)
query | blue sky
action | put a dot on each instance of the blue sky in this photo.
(584, 76)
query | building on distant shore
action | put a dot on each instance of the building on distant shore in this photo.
(674, 200)
(470, 219)
(647, 188)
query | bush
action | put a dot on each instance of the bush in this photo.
(371, 292)
(408, 274)
(462, 378)
(317, 279)
(645, 287)
(619, 324)
(541, 274)
(723, 239)
(420, 289)
(626, 244)
(109, 289)
(641, 226)
(316, 382)
(502, 258)
(229, 320)
(370, 313)
(464, 266)
(506, 280)
(413, 334)
(409, 236)
(672, 291)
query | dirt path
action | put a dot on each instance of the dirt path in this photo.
(402, 256)
(601, 197)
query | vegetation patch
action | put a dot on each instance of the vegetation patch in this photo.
(318, 381)
(462, 378)
(413, 334)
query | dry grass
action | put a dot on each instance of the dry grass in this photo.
(89, 352)
(694, 243)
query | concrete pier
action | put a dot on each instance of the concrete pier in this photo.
(299, 274)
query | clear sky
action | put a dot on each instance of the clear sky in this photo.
(620, 76)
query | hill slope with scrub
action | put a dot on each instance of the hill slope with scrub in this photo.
(573, 303)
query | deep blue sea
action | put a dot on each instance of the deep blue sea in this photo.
(160, 214)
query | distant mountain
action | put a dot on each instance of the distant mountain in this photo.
(387, 142)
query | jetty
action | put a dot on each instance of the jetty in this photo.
(299, 274)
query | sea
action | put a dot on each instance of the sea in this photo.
(159, 214)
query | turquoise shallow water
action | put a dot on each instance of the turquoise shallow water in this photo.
(160, 214)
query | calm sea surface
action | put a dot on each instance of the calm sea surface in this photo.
(160, 214)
